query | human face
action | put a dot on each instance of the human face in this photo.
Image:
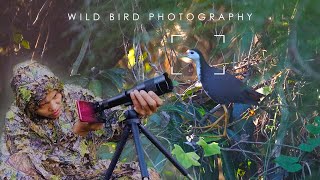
(50, 106)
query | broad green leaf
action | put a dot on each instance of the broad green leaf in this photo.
(266, 90)
(311, 144)
(313, 129)
(186, 159)
(209, 149)
(306, 147)
(314, 141)
(289, 163)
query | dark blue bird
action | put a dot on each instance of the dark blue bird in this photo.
(223, 89)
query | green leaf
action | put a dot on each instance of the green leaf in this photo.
(25, 44)
(313, 129)
(266, 90)
(314, 141)
(306, 147)
(186, 159)
(311, 144)
(96, 87)
(201, 110)
(289, 163)
(209, 149)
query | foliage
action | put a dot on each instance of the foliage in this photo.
(186, 159)
(289, 163)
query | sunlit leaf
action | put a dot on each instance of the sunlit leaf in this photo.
(147, 67)
(131, 58)
(186, 159)
(209, 149)
(25, 44)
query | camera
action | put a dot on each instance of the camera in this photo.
(92, 111)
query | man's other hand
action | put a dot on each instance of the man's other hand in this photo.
(145, 103)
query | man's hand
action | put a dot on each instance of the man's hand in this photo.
(145, 103)
(83, 128)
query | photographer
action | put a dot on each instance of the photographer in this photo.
(43, 137)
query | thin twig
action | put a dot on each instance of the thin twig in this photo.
(84, 47)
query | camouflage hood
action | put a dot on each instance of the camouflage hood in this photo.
(30, 83)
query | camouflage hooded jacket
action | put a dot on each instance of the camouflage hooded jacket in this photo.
(41, 148)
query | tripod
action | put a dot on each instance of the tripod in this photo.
(133, 123)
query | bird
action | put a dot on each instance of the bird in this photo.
(223, 89)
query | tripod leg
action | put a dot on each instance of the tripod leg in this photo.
(117, 153)
(157, 143)
(137, 143)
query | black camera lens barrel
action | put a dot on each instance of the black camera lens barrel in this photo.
(160, 85)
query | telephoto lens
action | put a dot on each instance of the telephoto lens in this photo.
(88, 111)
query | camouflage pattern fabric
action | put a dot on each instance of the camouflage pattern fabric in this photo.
(35, 147)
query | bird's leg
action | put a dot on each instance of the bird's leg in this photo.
(210, 126)
(226, 120)
(225, 116)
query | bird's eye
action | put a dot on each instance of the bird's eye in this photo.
(191, 52)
